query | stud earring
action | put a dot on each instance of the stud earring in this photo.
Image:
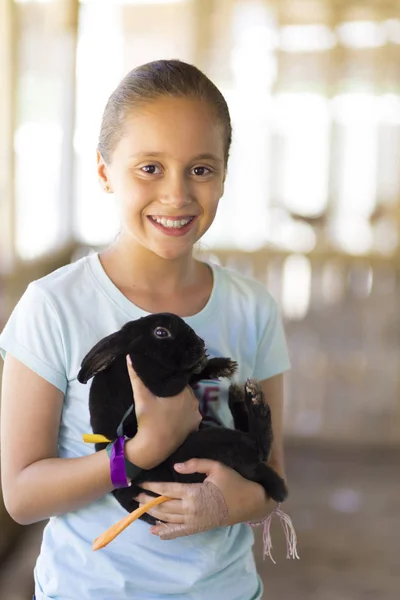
(106, 188)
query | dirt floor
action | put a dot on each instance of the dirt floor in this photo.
(345, 506)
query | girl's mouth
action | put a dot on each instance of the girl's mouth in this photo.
(172, 226)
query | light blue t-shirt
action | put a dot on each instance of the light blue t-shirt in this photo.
(56, 322)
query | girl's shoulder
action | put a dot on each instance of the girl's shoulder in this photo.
(234, 284)
(64, 279)
(63, 296)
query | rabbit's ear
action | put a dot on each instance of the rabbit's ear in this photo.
(101, 356)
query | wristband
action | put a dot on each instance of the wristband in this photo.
(125, 469)
(117, 463)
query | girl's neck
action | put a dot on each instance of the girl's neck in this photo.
(135, 267)
(154, 284)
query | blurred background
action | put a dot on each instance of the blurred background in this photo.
(311, 208)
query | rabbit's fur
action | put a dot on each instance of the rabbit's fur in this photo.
(167, 355)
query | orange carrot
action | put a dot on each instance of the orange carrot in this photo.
(111, 533)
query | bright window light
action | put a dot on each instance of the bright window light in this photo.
(38, 165)
(303, 123)
(362, 34)
(292, 235)
(246, 198)
(357, 187)
(296, 287)
(358, 113)
(254, 34)
(151, 1)
(33, 1)
(388, 106)
(99, 70)
(355, 108)
(352, 234)
(134, 2)
(306, 38)
(393, 30)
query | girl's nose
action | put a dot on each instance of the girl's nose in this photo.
(175, 192)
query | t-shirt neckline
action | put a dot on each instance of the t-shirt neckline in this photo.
(135, 311)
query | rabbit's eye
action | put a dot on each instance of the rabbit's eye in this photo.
(161, 332)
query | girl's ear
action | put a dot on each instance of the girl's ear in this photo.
(103, 173)
(222, 190)
(101, 356)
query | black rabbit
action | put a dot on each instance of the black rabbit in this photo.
(167, 355)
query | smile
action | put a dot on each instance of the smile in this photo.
(172, 223)
(175, 227)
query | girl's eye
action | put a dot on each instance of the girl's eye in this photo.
(161, 332)
(201, 171)
(151, 169)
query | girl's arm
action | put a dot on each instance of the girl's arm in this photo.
(36, 484)
(273, 389)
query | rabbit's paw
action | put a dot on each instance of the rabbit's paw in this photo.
(254, 392)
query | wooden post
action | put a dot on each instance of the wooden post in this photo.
(68, 16)
(8, 68)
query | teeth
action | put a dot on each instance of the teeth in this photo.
(176, 223)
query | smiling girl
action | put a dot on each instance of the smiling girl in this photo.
(163, 152)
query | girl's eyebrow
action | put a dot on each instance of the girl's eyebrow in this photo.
(208, 157)
(157, 154)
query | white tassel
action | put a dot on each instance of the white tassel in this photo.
(290, 534)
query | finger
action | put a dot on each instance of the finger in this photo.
(170, 489)
(210, 511)
(131, 370)
(171, 531)
(143, 498)
(141, 392)
(169, 518)
(171, 506)
(197, 465)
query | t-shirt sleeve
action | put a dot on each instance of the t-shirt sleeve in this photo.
(272, 353)
(33, 335)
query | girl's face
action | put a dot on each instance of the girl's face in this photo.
(168, 172)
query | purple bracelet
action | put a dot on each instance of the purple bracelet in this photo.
(117, 464)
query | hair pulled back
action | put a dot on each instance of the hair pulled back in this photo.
(151, 81)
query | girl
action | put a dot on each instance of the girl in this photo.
(163, 152)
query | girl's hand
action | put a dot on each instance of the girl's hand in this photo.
(163, 423)
(225, 498)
